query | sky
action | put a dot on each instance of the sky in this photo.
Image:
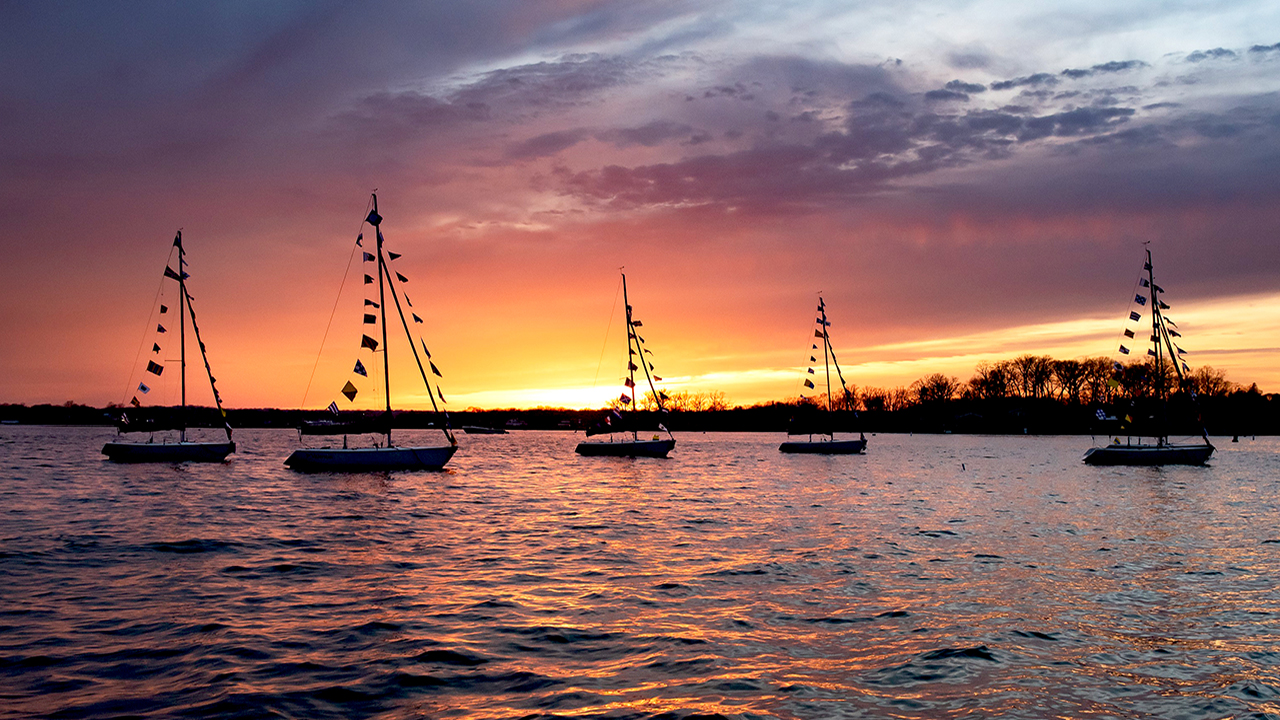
(961, 181)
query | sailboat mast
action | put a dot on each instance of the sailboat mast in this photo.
(631, 373)
(182, 337)
(826, 363)
(376, 220)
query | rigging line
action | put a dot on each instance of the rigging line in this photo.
(448, 431)
(605, 345)
(1128, 309)
(345, 274)
(142, 343)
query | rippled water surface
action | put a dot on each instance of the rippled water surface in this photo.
(934, 577)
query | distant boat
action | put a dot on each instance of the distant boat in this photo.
(1160, 451)
(618, 425)
(482, 430)
(387, 456)
(822, 423)
(135, 421)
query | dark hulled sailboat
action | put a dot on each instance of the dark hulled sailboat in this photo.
(183, 450)
(1161, 451)
(823, 424)
(618, 426)
(386, 456)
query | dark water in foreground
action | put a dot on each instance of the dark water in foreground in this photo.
(729, 580)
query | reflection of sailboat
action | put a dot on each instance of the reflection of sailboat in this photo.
(388, 456)
(181, 451)
(825, 424)
(619, 423)
(1162, 452)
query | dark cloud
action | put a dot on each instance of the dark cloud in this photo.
(1264, 49)
(1214, 54)
(546, 144)
(965, 87)
(1028, 80)
(944, 95)
(651, 134)
(1114, 66)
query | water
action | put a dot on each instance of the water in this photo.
(935, 577)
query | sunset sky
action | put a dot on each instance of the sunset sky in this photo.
(962, 181)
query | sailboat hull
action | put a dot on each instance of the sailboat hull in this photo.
(1149, 455)
(128, 452)
(627, 448)
(825, 447)
(370, 459)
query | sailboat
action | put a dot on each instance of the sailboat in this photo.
(619, 424)
(183, 450)
(385, 456)
(823, 427)
(1160, 452)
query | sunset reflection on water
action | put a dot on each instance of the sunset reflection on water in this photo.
(936, 576)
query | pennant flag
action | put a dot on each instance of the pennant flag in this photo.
(1128, 333)
(134, 402)
(1152, 353)
(1135, 316)
(160, 329)
(1185, 368)
(818, 333)
(392, 255)
(657, 379)
(1145, 282)
(631, 352)
(650, 367)
(416, 318)
(1140, 299)
(624, 400)
(808, 383)
(164, 309)
(1113, 383)
(155, 347)
(360, 240)
(811, 371)
(629, 383)
(632, 367)
(441, 394)
(154, 368)
(1171, 322)
(185, 275)
(370, 303)
(815, 347)
(648, 351)
(169, 273)
(1180, 350)
(333, 407)
(637, 323)
(1174, 333)
(401, 278)
(380, 238)
(375, 220)
(1162, 305)
(368, 257)
(664, 397)
(1146, 266)
(1115, 365)
(368, 280)
(368, 342)
(813, 359)
(349, 390)
(406, 300)
(370, 319)
(424, 348)
(1124, 350)
(434, 369)
(359, 369)
(1128, 418)
(143, 387)
(1158, 288)
(1102, 415)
